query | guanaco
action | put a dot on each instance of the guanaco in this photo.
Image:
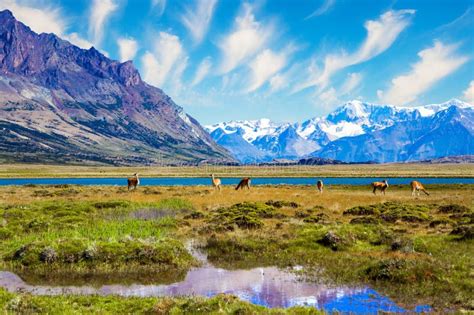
(416, 186)
(133, 182)
(382, 186)
(320, 186)
(216, 182)
(245, 182)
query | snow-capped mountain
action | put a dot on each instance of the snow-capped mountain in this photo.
(319, 136)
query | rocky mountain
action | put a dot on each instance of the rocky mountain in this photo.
(359, 132)
(60, 103)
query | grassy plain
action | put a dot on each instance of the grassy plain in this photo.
(415, 250)
(356, 170)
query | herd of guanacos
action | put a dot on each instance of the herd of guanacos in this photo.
(416, 186)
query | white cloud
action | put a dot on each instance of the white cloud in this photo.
(158, 65)
(278, 82)
(328, 98)
(381, 34)
(468, 94)
(197, 19)
(75, 39)
(99, 13)
(245, 40)
(353, 81)
(435, 63)
(159, 5)
(202, 71)
(325, 7)
(127, 48)
(47, 19)
(264, 66)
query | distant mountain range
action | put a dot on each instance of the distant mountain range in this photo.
(356, 132)
(60, 103)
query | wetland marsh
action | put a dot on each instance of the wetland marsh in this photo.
(411, 251)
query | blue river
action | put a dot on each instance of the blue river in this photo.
(194, 181)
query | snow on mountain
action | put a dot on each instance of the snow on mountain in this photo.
(352, 119)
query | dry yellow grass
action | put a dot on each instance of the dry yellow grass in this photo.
(335, 198)
(359, 170)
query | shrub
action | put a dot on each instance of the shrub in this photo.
(280, 204)
(245, 215)
(453, 208)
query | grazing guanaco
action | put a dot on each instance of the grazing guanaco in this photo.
(133, 182)
(216, 182)
(382, 186)
(416, 186)
(245, 182)
(320, 186)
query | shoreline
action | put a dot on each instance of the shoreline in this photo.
(26, 171)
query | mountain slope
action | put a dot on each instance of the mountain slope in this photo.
(62, 103)
(448, 132)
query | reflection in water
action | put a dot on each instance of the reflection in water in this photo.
(268, 286)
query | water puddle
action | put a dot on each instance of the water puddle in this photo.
(268, 286)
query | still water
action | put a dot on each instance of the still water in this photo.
(193, 181)
(267, 286)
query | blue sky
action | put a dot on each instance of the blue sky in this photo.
(287, 60)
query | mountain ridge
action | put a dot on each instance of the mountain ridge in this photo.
(61, 103)
(348, 121)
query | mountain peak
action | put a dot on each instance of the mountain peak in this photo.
(6, 15)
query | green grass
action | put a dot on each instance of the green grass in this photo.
(94, 235)
(220, 304)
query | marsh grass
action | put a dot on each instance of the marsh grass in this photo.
(220, 304)
(415, 250)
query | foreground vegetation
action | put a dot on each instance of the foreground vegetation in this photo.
(415, 250)
(357, 170)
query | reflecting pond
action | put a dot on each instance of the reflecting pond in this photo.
(267, 286)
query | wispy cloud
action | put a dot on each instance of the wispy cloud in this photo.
(158, 65)
(44, 19)
(435, 63)
(197, 18)
(381, 34)
(246, 39)
(99, 13)
(264, 66)
(158, 6)
(202, 71)
(352, 81)
(127, 48)
(77, 40)
(325, 7)
(468, 94)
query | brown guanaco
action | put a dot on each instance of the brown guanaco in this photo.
(133, 182)
(245, 182)
(382, 186)
(216, 182)
(320, 186)
(416, 186)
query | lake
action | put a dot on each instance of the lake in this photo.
(194, 181)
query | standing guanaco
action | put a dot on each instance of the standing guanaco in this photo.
(320, 186)
(245, 182)
(216, 182)
(416, 186)
(382, 186)
(133, 182)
